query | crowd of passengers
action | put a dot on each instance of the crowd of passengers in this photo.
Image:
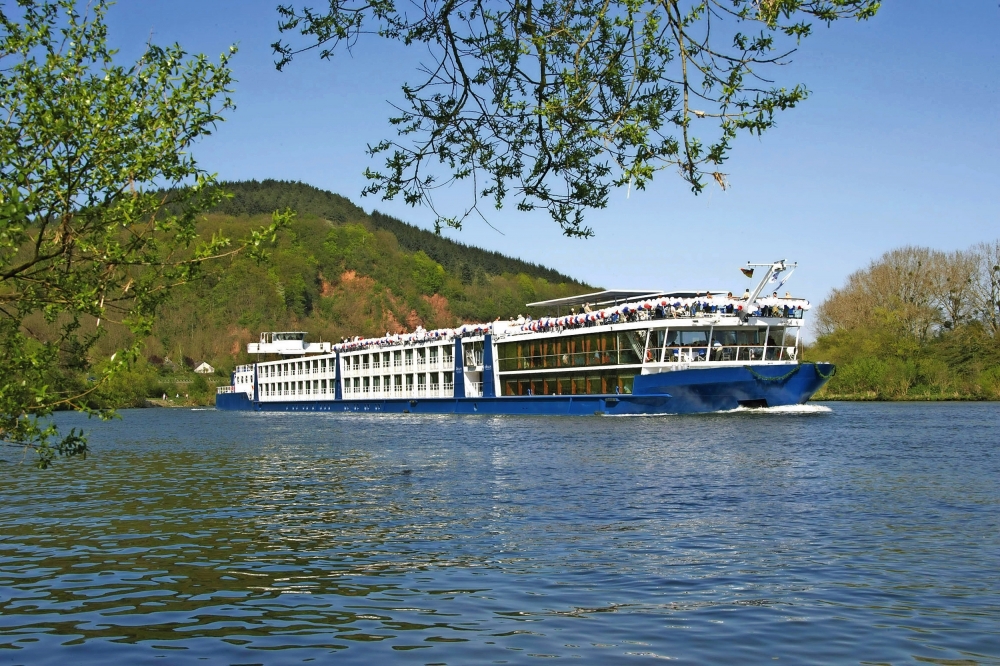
(663, 309)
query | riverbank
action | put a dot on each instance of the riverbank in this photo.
(872, 397)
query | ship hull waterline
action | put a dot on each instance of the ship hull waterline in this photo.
(690, 391)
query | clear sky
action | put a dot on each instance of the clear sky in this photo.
(898, 144)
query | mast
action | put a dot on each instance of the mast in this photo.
(774, 270)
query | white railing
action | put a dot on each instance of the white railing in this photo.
(475, 389)
(225, 389)
(449, 388)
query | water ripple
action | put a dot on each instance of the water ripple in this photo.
(851, 532)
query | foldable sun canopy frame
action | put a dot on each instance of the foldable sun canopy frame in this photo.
(615, 296)
(597, 298)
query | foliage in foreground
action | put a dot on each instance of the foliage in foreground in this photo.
(88, 241)
(549, 105)
(916, 324)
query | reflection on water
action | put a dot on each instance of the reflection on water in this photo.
(845, 532)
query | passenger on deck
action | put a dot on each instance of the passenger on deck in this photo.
(745, 296)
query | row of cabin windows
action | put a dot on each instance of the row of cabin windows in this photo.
(313, 387)
(575, 384)
(359, 384)
(399, 358)
(296, 368)
(619, 348)
(379, 384)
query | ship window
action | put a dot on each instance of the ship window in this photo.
(692, 338)
(434, 380)
(606, 382)
(433, 354)
(409, 382)
(449, 377)
(367, 385)
(322, 385)
(573, 352)
(655, 350)
(725, 338)
(376, 382)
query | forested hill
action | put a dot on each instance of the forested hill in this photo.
(255, 198)
(334, 272)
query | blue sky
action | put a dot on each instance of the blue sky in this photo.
(898, 144)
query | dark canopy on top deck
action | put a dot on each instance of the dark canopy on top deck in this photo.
(597, 298)
(611, 296)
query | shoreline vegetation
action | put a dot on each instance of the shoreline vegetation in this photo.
(915, 325)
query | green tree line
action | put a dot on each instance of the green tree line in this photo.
(916, 324)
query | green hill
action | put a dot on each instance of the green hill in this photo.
(335, 272)
(261, 198)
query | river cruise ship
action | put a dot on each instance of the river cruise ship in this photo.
(613, 352)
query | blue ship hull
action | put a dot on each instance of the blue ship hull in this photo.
(679, 392)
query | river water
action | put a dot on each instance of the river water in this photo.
(827, 533)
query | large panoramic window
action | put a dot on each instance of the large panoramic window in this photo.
(616, 348)
(578, 383)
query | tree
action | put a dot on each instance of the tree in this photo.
(986, 284)
(900, 286)
(552, 104)
(99, 197)
(921, 290)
